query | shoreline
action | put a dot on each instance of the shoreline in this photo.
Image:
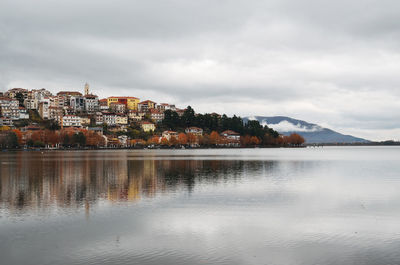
(189, 148)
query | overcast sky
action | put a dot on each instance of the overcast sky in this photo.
(335, 63)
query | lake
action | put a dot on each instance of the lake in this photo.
(331, 205)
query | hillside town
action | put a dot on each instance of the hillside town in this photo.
(37, 118)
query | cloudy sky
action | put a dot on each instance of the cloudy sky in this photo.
(335, 63)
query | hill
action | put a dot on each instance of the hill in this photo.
(312, 133)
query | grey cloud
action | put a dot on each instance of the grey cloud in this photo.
(331, 62)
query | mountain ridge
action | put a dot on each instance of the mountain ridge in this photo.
(312, 133)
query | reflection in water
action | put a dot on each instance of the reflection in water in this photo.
(260, 206)
(72, 180)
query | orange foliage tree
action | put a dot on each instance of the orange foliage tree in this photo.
(191, 138)
(245, 140)
(94, 139)
(214, 138)
(164, 141)
(182, 139)
(173, 141)
(254, 140)
(296, 139)
(19, 136)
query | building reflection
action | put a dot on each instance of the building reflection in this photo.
(30, 180)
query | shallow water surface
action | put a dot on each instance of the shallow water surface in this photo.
(335, 205)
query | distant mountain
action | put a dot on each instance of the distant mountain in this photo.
(312, 133)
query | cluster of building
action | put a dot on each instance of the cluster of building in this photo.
(74, 109)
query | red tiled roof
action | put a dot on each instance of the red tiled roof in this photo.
(169, 132)
(155, 111)
(5, 98)
(124, 97)
(194, 128)
(146, 101)
(230, 132)
(69, 93)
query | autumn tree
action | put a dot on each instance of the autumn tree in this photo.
(173, 141)
(153, 140)
(93, 139)
(164, 141)
(296, 139)
(245, 141)
(51, 137)
(214, 138)
(254, 140)
(182, 139)
(191, 138)
(19, 136)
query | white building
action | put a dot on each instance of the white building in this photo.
(31, 103)
(99, 118)
(91, 103)
(9, 108)
(156, 115)
(109, 118)
(70, 121)
(194, 130)
(23, 114)
(169, 134)
(121, 119)
(231, 135)
(135, 115)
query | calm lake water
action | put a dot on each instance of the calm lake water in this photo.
(331, 205)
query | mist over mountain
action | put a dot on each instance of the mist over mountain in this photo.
(312, 133)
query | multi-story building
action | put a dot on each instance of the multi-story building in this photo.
(31, 103)
(91, 103)
(99, 118)
(147, 126)
(121, 119)
(77, 103)
(66, 95)
(103, 103)
(55, 113)
(131, 103)
(165, 106)
(146, 105)
(85, 121)
(109, 118)
(60, 101)
(12, 93)
(43, 109)
(70, 121)
(156, 115)
(135, 115)
(6, 121)
(194, 130)
(169, 134)
(231, 135)
(117, 107)
(22, 114)
(9, 108)
(39, 94)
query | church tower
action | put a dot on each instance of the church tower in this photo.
(86, 89)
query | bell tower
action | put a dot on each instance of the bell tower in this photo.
(86, 89)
